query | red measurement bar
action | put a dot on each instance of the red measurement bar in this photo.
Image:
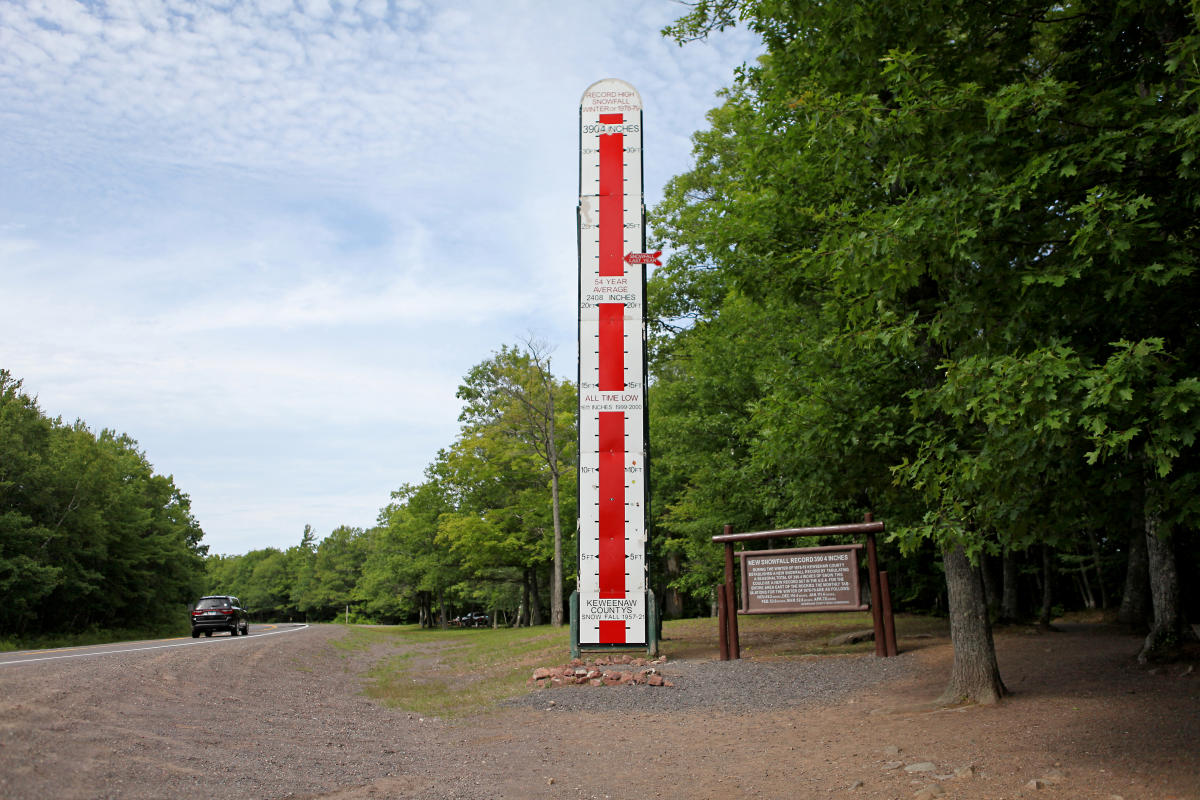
(611, 345)
(612, 631)
(612, 198)
(611, 357)
(612, 504)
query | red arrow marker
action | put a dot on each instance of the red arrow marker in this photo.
(644, 258)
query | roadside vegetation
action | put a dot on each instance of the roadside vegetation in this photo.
(176, 629)
(90, 536)
(456, 673)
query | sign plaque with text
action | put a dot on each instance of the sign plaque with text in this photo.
(801, 579)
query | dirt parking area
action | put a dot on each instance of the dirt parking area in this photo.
(284, 717)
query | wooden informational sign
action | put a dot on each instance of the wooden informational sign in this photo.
(800, 579)
(612, 410)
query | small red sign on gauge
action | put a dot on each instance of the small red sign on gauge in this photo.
(644, 258)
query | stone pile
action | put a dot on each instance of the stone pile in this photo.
(603, 671)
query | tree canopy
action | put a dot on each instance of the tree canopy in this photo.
(485, 530)
(969, 233)
(90, 536)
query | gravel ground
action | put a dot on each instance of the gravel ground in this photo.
(283, 717)
(253, 717)
(732, 686)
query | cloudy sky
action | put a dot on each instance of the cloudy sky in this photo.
(267, 238)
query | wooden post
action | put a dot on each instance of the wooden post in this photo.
(722, 625)
(873, 578)
(574, 606)
(728, 557)
(889, 621)
(729, 600)
(652, 629)
(735, 642)
(731, 604)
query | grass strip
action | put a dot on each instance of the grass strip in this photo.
(459, 672)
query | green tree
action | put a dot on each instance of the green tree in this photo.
(301, 562)
(515, 397)
(1143, 404)
(27, 574)
(410, 547)
(498, 527)
(261, 579)
(337, 566)
(382, 591)
(88, 531)
(975, 202)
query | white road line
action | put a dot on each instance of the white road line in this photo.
(206, 640)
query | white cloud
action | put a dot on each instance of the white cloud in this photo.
(279, 215)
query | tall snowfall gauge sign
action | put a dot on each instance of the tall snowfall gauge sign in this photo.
(613, 604)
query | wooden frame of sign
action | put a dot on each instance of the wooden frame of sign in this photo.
(804, 579)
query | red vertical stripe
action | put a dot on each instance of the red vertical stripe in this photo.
(612, 631)
(611, 358)
(611, 345)
(612, 198)
(612, 504)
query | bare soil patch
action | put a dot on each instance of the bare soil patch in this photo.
(286, 717)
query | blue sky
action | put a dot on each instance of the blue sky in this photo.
(267, 239)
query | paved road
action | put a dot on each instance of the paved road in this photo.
(216, 640)
(276, 714)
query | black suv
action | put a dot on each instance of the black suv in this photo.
(219, 612)
(475, 619)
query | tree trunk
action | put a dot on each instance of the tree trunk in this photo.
(443, 623)
(672, 599)
(535, 599)
(1010, 602)
(991, 591)
(556, 583)
(523, 614)
(1168, 631)
(975, 677)
(556, 588)
(425, 606)
(1047, 588)
(1097, 561)
(1089, 597)
(1135, 610)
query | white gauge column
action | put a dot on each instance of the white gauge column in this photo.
(612, 448)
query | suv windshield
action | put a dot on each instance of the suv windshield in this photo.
(213, 602)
